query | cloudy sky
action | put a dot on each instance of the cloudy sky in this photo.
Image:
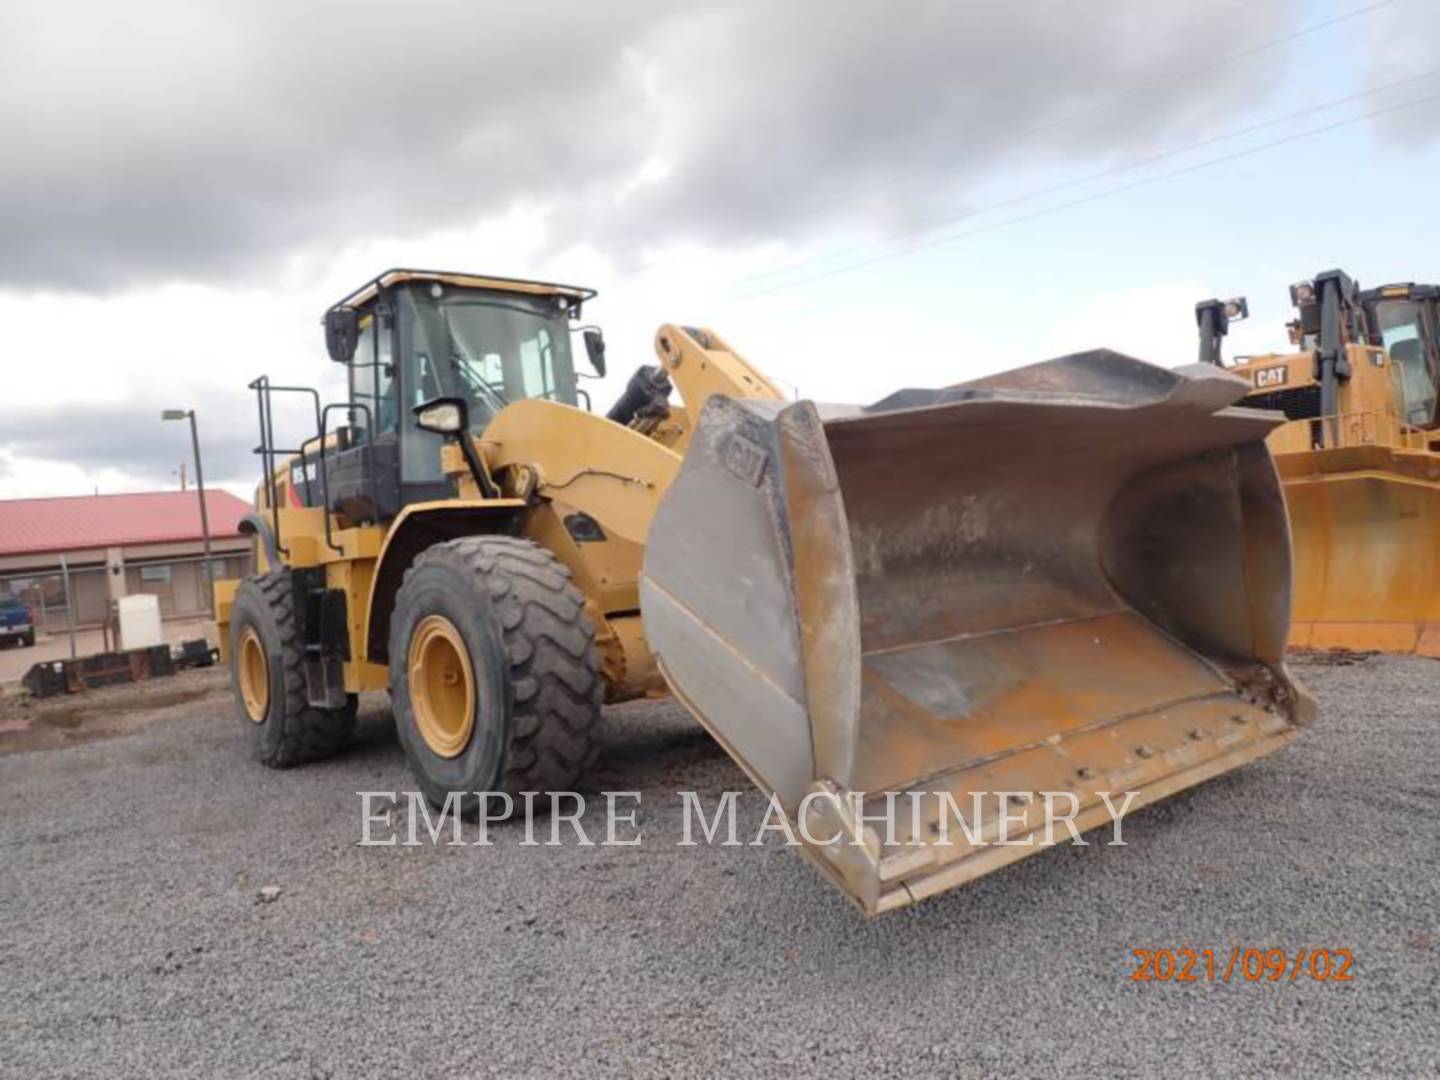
(859, 196)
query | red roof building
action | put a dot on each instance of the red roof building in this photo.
(115, 545)
(84, 522)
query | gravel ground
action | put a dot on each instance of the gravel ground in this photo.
(133, 940)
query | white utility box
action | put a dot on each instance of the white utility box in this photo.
(140, 621)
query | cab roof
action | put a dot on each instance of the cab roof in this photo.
(367, 292)
(1400, 290)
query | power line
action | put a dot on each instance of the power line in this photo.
(939, 241)
(1128, 166)
(1060, 121)
(1013, 140)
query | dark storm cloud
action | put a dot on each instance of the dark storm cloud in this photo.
(193, 139)
(135, 440)
(1402, 48)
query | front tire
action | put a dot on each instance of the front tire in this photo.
(494, 675)
(267, 672)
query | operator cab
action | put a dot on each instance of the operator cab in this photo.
(1332, 314)
(409, 337)
(1402, 320)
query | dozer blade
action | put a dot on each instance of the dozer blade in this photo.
(1365, 521)
(1071, 579)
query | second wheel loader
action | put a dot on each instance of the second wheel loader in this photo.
(1070, 578)
(1359, 457)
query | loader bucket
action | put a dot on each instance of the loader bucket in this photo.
(1066, 582)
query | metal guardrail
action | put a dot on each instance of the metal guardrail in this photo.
(272, 456)
(1349, 429)
(269, 453)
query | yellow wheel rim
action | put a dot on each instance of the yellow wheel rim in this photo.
(254, 671)
(442, 686)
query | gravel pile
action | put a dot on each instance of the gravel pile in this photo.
(168, 908)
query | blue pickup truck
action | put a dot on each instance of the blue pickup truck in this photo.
(17, 622)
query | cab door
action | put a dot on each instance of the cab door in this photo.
(362, 467)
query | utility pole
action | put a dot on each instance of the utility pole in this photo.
(189, 414)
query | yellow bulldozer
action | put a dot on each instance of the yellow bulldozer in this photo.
(1072, 578)
(1359, 457)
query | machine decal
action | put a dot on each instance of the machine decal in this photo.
(1271, 376)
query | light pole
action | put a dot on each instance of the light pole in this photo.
(189, 414)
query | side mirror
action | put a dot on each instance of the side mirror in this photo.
(443, 416)
(342, 333)
(450, 417)
(595, 349)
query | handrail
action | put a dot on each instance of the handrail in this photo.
(267, 450)
(350, 407)
(1354, 429)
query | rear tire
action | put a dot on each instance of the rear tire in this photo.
(29, 638)
(501, 613)
(268, 676)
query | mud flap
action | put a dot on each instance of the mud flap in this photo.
(1072, 579)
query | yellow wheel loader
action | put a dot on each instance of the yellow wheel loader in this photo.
(1069, 580)
(1359, 457)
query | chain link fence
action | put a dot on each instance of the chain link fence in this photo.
(181, 585)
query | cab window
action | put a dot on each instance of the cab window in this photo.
(372, 379)
(491, 348)
(1402, 334)
(362, 377)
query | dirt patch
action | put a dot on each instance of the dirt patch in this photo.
(1331, 657)
(27, 725)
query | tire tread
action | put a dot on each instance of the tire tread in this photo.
(554, 684)
(307, 732)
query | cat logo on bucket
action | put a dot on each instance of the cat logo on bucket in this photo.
(1271, 376)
